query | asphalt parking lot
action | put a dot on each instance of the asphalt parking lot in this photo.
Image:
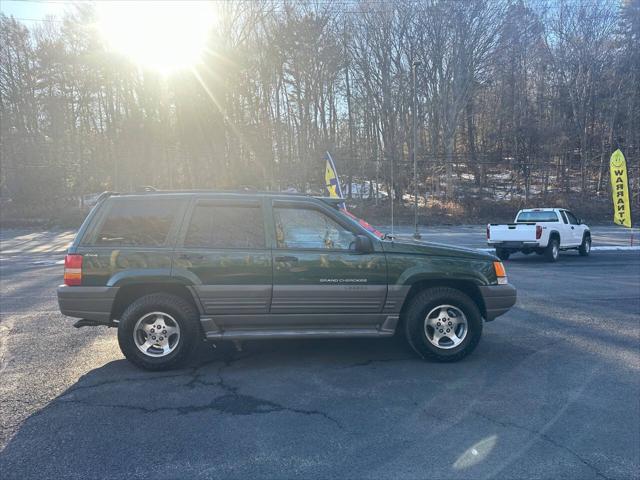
(552, 391)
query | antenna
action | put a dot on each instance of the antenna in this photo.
(391, 193)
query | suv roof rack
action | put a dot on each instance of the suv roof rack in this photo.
(152, 190)
(105, 195)
(331, 201)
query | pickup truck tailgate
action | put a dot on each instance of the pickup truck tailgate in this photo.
(512, 232)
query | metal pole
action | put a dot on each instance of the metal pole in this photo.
(416, 234)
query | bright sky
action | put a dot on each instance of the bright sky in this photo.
(30, 12)
(163, 35)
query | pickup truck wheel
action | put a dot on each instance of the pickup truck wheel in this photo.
(443, 324)
(502, 254)
(158, 331)
(585, 248)
(552, 252)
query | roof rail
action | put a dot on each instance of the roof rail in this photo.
(145, 188)
(152, 190)
(331, 201)
(105, 195)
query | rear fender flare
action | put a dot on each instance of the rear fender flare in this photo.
(159, 275)
(554, 233)
(129, 281)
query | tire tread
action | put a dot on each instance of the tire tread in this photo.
(416, 311)
(185, 313)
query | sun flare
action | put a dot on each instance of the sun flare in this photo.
(162, 35)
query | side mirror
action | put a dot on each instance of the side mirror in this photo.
(580, 222)
(363, 244)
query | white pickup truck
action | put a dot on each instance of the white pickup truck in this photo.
(545, 231)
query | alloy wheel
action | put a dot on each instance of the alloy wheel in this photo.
(156, 334)
(446, 326)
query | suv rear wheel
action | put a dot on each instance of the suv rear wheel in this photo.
(158, 331)
(443, 324)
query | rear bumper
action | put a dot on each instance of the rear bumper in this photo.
(498, 299)
(518, 245)
(92, 303)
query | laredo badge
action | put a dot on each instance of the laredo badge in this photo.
(620, 190)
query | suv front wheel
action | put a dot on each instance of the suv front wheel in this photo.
(158, 331)
(443, 324)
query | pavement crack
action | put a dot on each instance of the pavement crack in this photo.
(366, 363)
(231, 402)
(121, 380)
(545, 437)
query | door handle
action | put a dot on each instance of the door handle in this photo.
(286, 258)
(572, 228)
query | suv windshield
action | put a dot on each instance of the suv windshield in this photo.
(541, 216)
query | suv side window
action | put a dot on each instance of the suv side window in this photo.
(572, 218)
(140, 222)
(225, 226)
(309, 228)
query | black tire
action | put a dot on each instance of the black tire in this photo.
(415, 317)
(502, 254)
(184, 314)
(585, 247)
(552, 252)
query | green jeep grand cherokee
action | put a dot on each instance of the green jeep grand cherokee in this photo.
(171, 268)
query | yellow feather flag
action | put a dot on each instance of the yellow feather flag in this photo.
(331, 180)
(620, 189)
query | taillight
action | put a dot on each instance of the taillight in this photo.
(73, 270)
(488, 232)
(538, 232)
(501, 273)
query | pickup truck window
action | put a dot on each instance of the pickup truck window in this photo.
(541, 216)
(563, 214)
(308, 228)
(572, 218)
(136, 222)
(216, 226)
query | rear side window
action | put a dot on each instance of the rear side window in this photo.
(143, 222)
(542, 216)
(222, 226)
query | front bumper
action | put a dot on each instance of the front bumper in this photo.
(91, 303)
(498, 299)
